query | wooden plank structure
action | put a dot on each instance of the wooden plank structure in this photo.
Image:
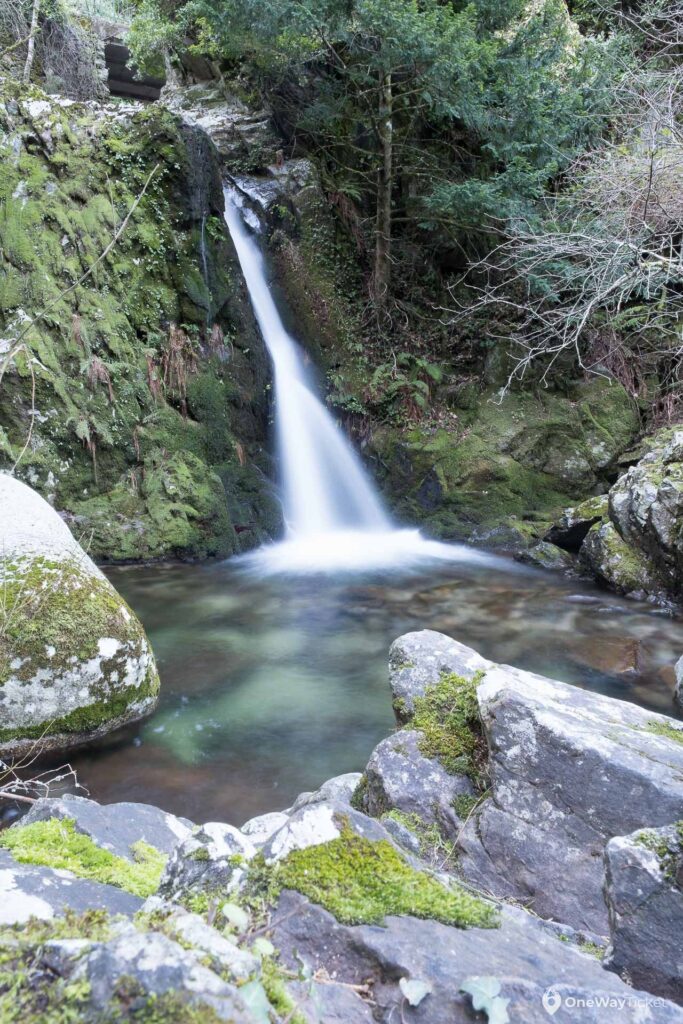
(124, 79)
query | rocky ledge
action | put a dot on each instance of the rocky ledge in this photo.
(514, 850)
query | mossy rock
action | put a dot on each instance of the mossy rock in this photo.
(527, 454)
(74, 660)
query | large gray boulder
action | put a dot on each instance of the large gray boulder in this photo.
(74, 660)
(569, 769)
(209, 863)
(114, 827)
(31, 891)
(523, 956)
(643, 890)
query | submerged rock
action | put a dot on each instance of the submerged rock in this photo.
(644, 894)
(74, 660)
(548, 556)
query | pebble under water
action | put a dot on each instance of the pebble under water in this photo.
(270, 686)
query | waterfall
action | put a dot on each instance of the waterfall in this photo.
(333, 516)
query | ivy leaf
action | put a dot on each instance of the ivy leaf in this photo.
(263, 947)
(484, 991)
(414, 989)
(254, 995)
(235, 916)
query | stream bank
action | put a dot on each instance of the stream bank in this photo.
(280, 920)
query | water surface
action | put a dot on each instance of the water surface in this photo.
(270, 686)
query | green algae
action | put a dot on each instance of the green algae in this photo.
(57, 844)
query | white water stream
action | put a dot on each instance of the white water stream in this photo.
(333, 517)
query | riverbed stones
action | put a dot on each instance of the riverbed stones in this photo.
(209, 863)
(31, 891)
(114, 827)
(568, 770)
(643, 890)
(399, 777)
(419, 659)
(74, 660)
(522, 955)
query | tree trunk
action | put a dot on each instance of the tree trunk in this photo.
(28, 66)
(385, 181)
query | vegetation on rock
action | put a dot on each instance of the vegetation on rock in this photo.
(57, 844)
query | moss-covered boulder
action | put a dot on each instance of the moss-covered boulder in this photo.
(74, 660)
(520, 456)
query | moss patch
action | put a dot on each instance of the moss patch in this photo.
(360, 881)
(448, 718)
(57, 844)
(665, 729)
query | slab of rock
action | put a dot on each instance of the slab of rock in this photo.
(319, 823)
(523, 954)
(569, 769)
(418, 660)
(545, 555)
(261, 828)
(399, 777)
(28, 890)
(157, 965)
(211, 861)
(114, 827)
(643, 890)
(75, 663)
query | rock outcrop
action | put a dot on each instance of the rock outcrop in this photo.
(145, 392)
(74, 659)
(633, 543)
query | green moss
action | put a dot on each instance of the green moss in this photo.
(433, 847)
(665, 729)
(359, 794)
(463, 805)
(361, 882)
(448, 718)
(57, 844)
(274, 984)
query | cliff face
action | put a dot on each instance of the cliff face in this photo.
(135, 398)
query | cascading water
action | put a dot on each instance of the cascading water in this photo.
(333, 517)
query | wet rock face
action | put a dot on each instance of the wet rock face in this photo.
(151, 408)
(644, 894)
(74, 660)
